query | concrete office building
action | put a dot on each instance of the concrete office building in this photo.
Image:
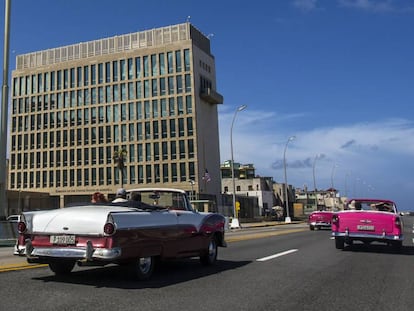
(151, 93)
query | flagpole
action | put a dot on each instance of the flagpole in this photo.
(4, 114)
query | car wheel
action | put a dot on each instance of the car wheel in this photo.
(209, 256)
(144, 267)
(62, 267)
(339, 243)
(311, 228)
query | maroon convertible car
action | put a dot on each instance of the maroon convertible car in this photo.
(162, 225)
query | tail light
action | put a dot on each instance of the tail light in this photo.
(109, 227)
(21, 227)
(398, 222)
(22, 224)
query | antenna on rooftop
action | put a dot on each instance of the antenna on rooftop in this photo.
(188, 18)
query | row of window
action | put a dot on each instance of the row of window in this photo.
(238, 188)
(101, 95)
(80, 177)
(112, 71)
(136, 153)
(169, 129)
(109, 113)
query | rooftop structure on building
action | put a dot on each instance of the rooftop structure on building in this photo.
(241, 171)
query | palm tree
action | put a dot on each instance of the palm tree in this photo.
(119, 158)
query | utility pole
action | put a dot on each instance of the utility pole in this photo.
(287, 218)
(4, 114)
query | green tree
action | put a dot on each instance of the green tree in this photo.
(119, 158)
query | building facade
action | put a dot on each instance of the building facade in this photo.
(150, 94)
(269, 194)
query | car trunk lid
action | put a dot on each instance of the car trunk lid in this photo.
(88, 220)
(367, 221)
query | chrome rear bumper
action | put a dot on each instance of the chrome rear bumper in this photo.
(88, 253)
(367, 236)
(316, 223)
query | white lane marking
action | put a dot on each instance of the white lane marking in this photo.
(277, 255)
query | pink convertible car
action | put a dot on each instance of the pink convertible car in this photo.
(368, 220)
(320, 219)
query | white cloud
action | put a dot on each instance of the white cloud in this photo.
(375, 5)
(262, 131)
(366, 5)
(305, 5)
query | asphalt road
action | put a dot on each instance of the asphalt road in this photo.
(275, 268)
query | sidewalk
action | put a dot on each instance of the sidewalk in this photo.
(267, 223)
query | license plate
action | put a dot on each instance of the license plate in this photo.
(62, 239)
(365, 228)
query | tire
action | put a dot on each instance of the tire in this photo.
(339, 243)
(144, 267)
(62, 267)
(209, 256)
(311, 227)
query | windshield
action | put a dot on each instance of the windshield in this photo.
(383, 206)
(168, 199)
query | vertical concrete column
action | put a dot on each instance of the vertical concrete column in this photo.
(61, 201)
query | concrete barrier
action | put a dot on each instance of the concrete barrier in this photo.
(8, 233)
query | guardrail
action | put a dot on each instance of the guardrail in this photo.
(8, 233)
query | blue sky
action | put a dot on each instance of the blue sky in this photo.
(336, 74)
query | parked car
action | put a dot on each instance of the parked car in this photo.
(13, 222)
(13, 218)
(161, 225)
(368, 220)
(320, 219)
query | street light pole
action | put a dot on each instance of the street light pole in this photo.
(332, 186)
(235, 222)
(287, 219)
(192, 189)
(4, 113)
(355, 185)
(346, 184)
(314, 182)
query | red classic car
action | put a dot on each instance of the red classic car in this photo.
(162, 224)
(368, 220)
(320, 219)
